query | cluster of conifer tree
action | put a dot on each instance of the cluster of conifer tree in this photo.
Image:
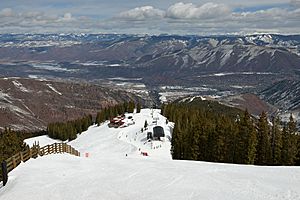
(209, 131)
(69, 130)
(11, 142)
(119, 109)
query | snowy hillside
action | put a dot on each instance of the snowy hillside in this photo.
(107, 173)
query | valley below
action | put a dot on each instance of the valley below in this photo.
(255, 72)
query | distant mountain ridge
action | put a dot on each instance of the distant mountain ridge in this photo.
(163, 54)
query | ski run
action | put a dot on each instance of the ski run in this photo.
(121, 164)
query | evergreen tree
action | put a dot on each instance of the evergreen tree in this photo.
(264, 145)
(69, 130)
(276, 141)
(11, 142)
(145, 124)
(176, 143)
(245, 141)
(298, 150)
(289, 143)
(195, 147)
(131, 106)
(285, 153)
(138, 108)
(210, 132)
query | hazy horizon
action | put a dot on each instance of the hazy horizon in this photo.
(151, 17)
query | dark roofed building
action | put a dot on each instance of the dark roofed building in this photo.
(158, 132)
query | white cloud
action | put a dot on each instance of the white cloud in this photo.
(36, 21)
(275, 17)
(6, 12)
(212, 18)
(192, 11)
(142, 13)
(175, 18)
(295, 3)
(66, 18)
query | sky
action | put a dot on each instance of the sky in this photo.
(212, 17)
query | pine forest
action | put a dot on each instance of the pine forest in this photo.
(210, 131)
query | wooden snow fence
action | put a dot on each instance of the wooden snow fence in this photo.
(11, 163)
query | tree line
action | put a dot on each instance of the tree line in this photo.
(69, 130)
(209, 131)
(11, 142)
(119, 109)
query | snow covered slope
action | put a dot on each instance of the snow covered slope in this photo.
(109, 174)
(41, 140)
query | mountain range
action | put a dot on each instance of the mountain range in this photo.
(156, 67)
(162, 54)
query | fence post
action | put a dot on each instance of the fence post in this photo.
(55, 145)
(43, 152)
(4, 172)
(30, 153)
(14, 162)
(38, 150)
(21, 156)
(33, 150)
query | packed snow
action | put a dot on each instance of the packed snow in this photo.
(52, 67)
(112, 167)
(41, 140)
(236, 73)
(20, 86)
(54, 89)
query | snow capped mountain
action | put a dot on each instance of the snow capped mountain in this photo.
(261, 53)
(157, 60)
(107, 173)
